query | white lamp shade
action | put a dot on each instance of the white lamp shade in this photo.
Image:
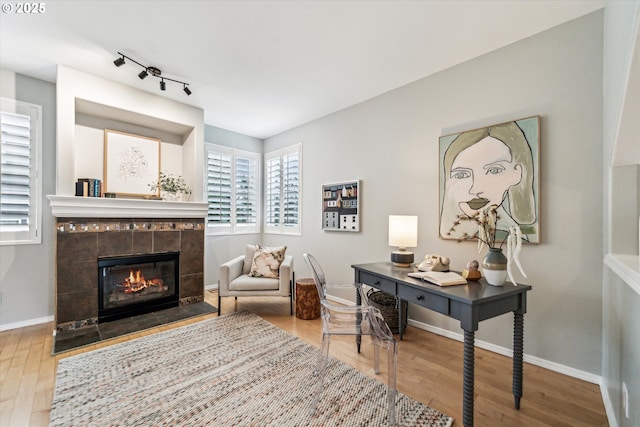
(403, 231)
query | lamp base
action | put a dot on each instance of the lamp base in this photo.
(402, 258)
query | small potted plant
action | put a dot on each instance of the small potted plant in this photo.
(172, 187)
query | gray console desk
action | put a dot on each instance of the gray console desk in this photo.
(470, 304)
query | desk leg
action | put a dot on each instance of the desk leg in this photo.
(518, 341)
(468, 374)
(358, 320)
(400, 317)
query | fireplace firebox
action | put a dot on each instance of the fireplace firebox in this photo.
(137, 284)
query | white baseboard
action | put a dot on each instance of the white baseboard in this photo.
(543, 363)
(212, 287)
(25, 323)
(340, 300)
(608, 407)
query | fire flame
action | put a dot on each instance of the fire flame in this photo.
(137, 278)
(136, 282)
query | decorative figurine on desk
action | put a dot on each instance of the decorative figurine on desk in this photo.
(471, 272)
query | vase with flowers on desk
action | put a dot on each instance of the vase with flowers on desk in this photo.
(172, 187)
(496, 266)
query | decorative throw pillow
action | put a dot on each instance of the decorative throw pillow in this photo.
(266, 262)
(249, 251)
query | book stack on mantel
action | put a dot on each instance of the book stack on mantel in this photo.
(88, 187)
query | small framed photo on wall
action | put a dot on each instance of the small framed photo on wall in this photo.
(341, 206)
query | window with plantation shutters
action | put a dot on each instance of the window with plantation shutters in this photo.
(219, 188)
(282, 190)
(233, 190)
(20, 189)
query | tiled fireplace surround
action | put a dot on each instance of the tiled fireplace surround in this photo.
(81, 240)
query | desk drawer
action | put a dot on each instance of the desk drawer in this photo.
(424, 299)
(381, 283)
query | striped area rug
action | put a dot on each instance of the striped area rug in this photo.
(234, 370)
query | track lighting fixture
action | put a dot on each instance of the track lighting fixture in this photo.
(119, 62)
(153, 71)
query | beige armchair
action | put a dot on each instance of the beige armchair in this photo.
(242, 276)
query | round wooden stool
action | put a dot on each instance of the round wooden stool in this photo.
(307, 300)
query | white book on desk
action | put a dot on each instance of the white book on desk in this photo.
(440, 278)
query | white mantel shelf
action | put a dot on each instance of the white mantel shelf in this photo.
(99, 207)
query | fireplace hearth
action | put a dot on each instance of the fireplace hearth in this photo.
(137, 284)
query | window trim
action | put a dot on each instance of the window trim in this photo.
(234, 228)
(34, 234)
(282, 228)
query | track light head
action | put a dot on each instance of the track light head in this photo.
(187, 90)
(154, 71)
(143, 74)
(163, 85)
(119, 62)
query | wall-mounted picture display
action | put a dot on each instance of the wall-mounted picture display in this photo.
(341, 206)
(497, 165)
(131, 163)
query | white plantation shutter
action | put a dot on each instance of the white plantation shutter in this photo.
(273, 184)
(247, 177)
(16, 155)
(20, 189)
(282, 182)
(233, 190)
(291, 189)
(219, 188)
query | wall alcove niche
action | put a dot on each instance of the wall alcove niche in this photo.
(86, 105)
(91, 120)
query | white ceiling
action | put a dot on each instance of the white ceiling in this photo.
(262, 67)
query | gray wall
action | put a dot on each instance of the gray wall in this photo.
(26, 271)
(391, 144)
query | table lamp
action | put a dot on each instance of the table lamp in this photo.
(403, 233)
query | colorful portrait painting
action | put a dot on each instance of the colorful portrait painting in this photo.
(495, 165)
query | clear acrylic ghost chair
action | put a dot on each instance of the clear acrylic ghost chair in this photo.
(353, 320)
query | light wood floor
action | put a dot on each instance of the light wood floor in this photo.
(429, 370)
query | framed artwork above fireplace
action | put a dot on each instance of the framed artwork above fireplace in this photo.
(131, 163)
